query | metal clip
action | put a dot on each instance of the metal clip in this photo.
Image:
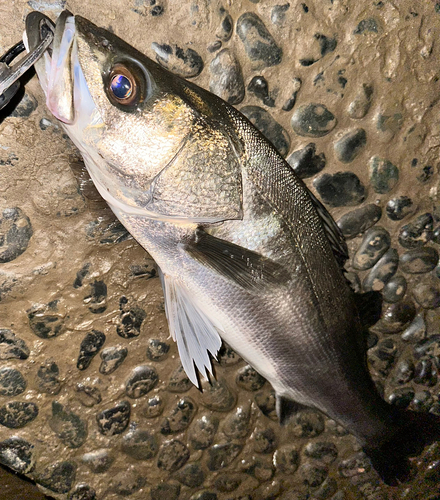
(10, 74)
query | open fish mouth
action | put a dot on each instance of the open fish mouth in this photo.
(59, 70)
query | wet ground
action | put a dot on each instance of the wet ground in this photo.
(93, 401)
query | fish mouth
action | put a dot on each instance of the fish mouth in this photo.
(59, 70)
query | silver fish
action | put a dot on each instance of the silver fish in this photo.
(247, 254)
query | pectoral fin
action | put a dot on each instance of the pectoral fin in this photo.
(244, 267)
(196, 334)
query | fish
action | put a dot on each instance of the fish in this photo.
(247, 254)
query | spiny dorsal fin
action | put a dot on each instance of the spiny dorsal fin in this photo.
(196, 334)
(244, 267)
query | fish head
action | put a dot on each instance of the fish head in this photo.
(130, 118)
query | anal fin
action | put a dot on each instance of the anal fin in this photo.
(195, 333)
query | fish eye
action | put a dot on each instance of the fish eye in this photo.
(123, 86)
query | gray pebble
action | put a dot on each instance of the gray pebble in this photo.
(186, 63)
(417, 233)
(278, 14)
(325, 451)
(307, 423)
(396, 317)
(313, 120)
(291, 101)
(425, 373)
(227, 482)
(399, 207)
(305, 162)
(265, 441)
(58, 477)
(26, 106)
(17, 454)
(368, 25)
(127, 482)
(312, 474)
(17, 414)
(382, 271)
(359, 220)
(416, 330)
(427, 294)
(340, 189)
(428, 346)
(69, 427)
(349, 146)
(227, 77)
(354, 465)
(260, 88)
(359, 107)
(157, 350)
(191, 475)
(375, 243)
(15, 233)
(222, 455)
(419, 260)
(179, 381)
(114, 420)
(168, 491)
(261, 469)
(404, 371)
(259, 44)
(88, 394)
(286, 459)
(97, 299)
(203, 431)
(217, 396)
(12, 382)
(422, 401)
(153, 407)
(180, 417)
(270, 128)
(328, 488)
(224, 31)
(48, 377)
(131, 319)
(204, 495)
(383, 175)
(12, 347)
(140, 444)
(112, 358)
(172, 455)
(98, 461)
(45, 321)
(90, 346)
(141, 380)
(82, 492)
(249, 379)
(395, 289)
(236, 424)
(266, 401)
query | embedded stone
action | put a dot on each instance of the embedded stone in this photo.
(186, 63)
(69, 427)
(204, 495)
(227, 482)
(17, 454)
(265, 441)
(375, 243)
(396, 317)
(260, 88)
(236, 424)
(203, 431)
(368, 25)
(266, 401)
(399, 207)
(249, 379)
(382, 271)
(114, 420)
(417, 233)
(180, 417)
(26, 106)
(258, 43)
(217, 396)
(45, 321)
(98, 461)
(126, 482)
(172, 455)
(313, 120)
(395, 289)
(140, 444)
(286, 459)
(97, 299)
(359, 220)
(305, 162)
(153, 407)
(224, 31)
(17, 414)
(222, 455)
(278, 14)
(88, 394)
(90, 346)
(227, 356)
(360, 105)
(112, 358)
(419, 260)
(48, 377)
(131, 319)
(157, 350)
(140, 382)
(227, 77)
(427, 295)
(340, 189)
(12, 382)
(428, 346)
(425, 373)
(168, 491)
(313, 474)
(307, 423)
(15, 233)
(291, 101)
(404, 372)
(270, 128)
(383, 175)
(191, 475)
(416, 330)
(82, 492)
(179, 381)
(12, 347)
(58, 477)
(349, 146)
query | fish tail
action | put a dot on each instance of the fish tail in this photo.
(391, 457)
